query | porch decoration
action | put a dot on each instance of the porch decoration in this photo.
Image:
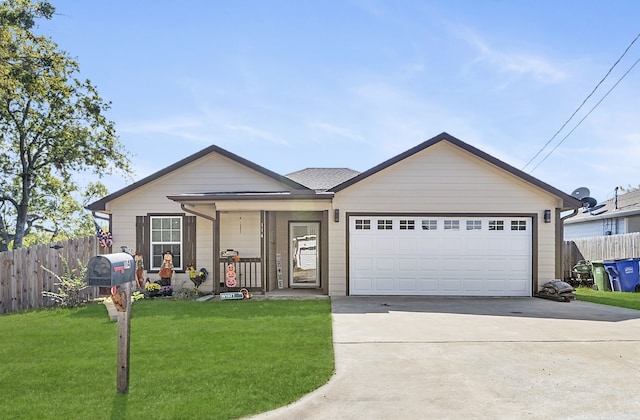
(105, 239)
(246, 294)
(166, 270)
(197, 277)
(153, 289)
(230, 277)
(139, 269)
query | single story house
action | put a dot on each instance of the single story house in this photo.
(615, 216)
(442, 218)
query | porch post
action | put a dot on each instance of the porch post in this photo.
(216, 254)
(264, 251)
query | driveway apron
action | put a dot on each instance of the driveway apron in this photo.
(452, 358)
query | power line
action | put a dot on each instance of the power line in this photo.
(580, 107)
(588, 113)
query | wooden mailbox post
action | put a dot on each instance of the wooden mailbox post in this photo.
(117, 270)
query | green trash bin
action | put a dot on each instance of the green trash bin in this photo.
(600, 276)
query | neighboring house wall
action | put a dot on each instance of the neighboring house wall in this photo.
(633, 224)
(442, 179)
(583, 230)
(601, 227)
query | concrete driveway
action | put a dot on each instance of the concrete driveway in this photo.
(438, 358)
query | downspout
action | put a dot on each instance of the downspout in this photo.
(570, 215)
(213, 238)
(560, 243)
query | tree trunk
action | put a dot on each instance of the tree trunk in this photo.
(5, 237)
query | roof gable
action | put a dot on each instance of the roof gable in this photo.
(568, 200)
(289, 183)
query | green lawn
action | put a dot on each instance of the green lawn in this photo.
(204, 360)
(624, 300)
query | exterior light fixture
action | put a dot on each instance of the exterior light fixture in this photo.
(336, 215)
(547, 216)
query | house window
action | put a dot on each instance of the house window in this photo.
(451, 225)
(166, 235)
(363, 224)
(429, 224)
(407, 224)
(474, 224)
(518, 225)
(385, 224)
(496, 224)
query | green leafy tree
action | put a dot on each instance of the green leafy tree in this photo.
(52, 126)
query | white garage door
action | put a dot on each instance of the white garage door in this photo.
(451, 256)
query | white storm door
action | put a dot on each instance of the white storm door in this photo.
(304, 256)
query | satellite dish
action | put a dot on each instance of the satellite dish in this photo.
(581, 193)
(589, 202)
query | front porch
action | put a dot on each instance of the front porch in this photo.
(275, 253)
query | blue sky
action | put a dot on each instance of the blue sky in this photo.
(295, 84)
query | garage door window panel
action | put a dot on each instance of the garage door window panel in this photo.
(385, 224)
(363, 224)
(451, 225)
(518, 225)
(429, 225)
(474, 224)
(496, 225)
(407, 224)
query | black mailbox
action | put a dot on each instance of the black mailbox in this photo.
(110, 269)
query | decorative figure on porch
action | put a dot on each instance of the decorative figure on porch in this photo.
(139, 269)
(230, 277)
(246, 294)
(166, 270)
(197, 277)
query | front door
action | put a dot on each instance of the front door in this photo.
(304, 256)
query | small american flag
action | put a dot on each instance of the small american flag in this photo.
(104, 238)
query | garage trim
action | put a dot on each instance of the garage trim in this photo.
(534, 235)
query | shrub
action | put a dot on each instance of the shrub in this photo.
(70, 284)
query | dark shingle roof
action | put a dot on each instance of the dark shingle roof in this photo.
(627, 205)
(322, 179)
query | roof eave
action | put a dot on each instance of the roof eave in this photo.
(203, 198)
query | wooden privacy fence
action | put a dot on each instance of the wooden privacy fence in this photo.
(599, 248)
(22, 278)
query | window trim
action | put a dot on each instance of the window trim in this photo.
(189, 239)
(180, 243)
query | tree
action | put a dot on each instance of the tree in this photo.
(52, 125)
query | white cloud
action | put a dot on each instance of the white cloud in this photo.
(518, 64)
(163, 126)
(336, 131)
(257, 133)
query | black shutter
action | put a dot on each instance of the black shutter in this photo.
(142, 239)
(189, 241)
